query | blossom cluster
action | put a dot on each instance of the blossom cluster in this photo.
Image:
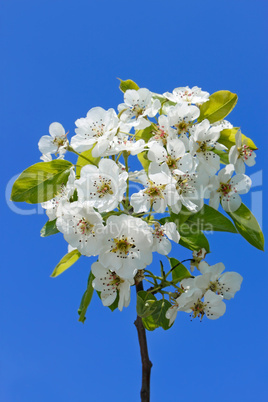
(110, 212)
(212, 286)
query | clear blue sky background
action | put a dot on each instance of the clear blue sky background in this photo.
(59, 58)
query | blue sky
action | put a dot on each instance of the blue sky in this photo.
(59, 59)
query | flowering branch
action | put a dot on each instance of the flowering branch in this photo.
(106, 210)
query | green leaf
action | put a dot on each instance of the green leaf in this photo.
(83, 162)
(227, 138)
(182, 217)
(66, 262)
(248, 226)
(209, 219)
(145, 134)
(128, 84)
(158, 317)
(220, 104)
(180, 272)
(144, 161)
(41, 182)
(86, 299)
(49, 229)
(145, 303)
(191, 236)
(178, 219)
(194, 241)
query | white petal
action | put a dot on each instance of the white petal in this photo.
(170, 229)
(56, 130)
(242, 183)
(231, 203)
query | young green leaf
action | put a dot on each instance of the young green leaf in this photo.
(41, 182)
(86, 159)
(86, 299)
(180, 272)
(66, 262)
(128, 84)
(158, 317)
(227, 138)
(248, 226)
(145, 134)
(49, 229)
(144, 160)
(220, 104)
(145, 303)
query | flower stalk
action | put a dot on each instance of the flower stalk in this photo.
(145, 360)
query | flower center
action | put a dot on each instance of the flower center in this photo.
(213, 286)
(138, 110)
(98, 131)
(122, 246)
(60, 141)
(104, 187)
(245, 152)
(85, 227)
(182, 184)
(198, 309)
(187, 95)
(171, 162)
(202, 146)
(225, 188)
(182, 127)
(154, 191)
(160, 135)
(115, 279)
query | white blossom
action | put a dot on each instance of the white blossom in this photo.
(191, 190)
(202, 142)
(181, 117)
(189, 95)
(127, 245)
(159, 193)
(226, 284)
(191, 302)
(161, 234)
(162, 132)
(198, 256)
(226, 189)
(174, 156)
(109, 284)
(241, 154)
(98, 127)
(137, 106)
(102, 187)
(54, 143)
(82, 227)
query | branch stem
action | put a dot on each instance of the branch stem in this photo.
(146, 363)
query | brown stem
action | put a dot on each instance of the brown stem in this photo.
(146, 363)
